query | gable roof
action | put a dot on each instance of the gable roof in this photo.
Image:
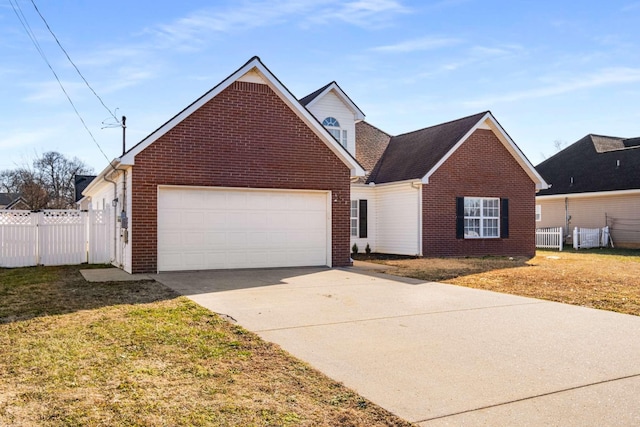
(412, 155)
(8, 198)
(254, 65)
(11, 200)
(417, 155)
(313, 97)
(80, 183)
(592, 164)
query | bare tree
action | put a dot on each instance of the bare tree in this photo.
(49, 184)
(560, 145)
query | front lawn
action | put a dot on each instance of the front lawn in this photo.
(600, 278)
(74, 353)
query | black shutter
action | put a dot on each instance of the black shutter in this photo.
(504, 218)
(362, 220)
(459, 217)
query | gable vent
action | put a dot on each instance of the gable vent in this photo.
(250, 87)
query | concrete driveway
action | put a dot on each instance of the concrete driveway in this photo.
(438, 354)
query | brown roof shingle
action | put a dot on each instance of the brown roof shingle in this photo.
(413, 154)
(370, 145)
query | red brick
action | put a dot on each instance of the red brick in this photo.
(480, 167)
(244, 137)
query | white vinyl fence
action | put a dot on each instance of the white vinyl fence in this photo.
(54, 237)
(584, 238)
(549, 238)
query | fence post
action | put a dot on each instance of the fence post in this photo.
(576, 236)
(561, 238)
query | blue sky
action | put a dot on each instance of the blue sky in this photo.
(548, 70)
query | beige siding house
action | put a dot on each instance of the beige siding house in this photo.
(595, 182)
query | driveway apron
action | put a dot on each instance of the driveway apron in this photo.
(437, 354)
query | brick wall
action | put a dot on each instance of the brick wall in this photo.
(244, 137)
(481, 167)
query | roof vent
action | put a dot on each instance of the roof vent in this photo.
(571, 183)
(617, 164)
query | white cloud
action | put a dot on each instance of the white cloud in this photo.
(362, 13)
(420, 44)
(604, 77)
(191, 31)
(473, 56)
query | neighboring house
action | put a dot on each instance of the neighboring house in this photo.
(243, 177)
(80, 182)
(593, 183)
(249, 176)
(13, 201)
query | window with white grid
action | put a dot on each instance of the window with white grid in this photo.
(354, 218)
(481, 217)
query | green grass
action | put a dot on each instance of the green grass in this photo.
(135, 353)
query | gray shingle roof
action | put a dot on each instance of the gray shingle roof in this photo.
(307, 99)
(8, 198)
(413, 154)
(81, 182)
(594, 163)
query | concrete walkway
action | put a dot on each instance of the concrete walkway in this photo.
(438, 354)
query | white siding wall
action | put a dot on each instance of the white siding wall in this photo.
(331, 105)
(622, 212)
(101, 197)
(398, 219)
(361, 192)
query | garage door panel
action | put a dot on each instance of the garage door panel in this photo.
(215, 239)
(256, 221)
(169, 239)
(260, 240)
(226, 228)
(193, 239)
(236, 200)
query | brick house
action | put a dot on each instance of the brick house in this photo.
(249, 176)
(243, 177)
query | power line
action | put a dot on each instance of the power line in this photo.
(72, 63)
(25, 24)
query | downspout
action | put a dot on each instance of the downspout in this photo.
(419, 188)
(567, 217)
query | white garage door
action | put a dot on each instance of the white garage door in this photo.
(202, 228)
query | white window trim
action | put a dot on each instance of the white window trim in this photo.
(355, 229)
(482, 217)
(538, 213)
(336, 131)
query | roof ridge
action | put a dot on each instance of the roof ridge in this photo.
(442, 124)
(606, 136)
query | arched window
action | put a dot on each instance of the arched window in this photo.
(333, 126)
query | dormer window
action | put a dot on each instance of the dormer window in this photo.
(333, 126)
